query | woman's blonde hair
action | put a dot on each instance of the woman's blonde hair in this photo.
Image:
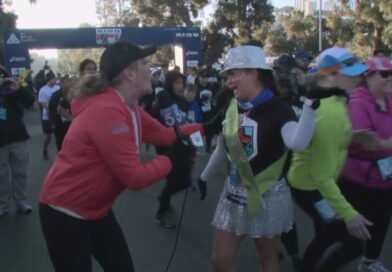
(88, 85)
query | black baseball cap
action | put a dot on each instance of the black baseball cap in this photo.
(120, 54)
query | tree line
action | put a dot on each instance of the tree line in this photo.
(362, 27)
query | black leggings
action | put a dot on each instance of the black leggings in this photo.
(326, 234)
(376, 206)
(290, 241)
(59, 132)
(171, 188)
(72, 241)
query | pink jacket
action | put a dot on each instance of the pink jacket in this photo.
(100, 155)
(361, 166)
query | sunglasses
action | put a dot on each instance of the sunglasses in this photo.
(385, 74)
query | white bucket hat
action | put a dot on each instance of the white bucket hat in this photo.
(245, 57)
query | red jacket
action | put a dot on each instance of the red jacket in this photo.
(100, 155)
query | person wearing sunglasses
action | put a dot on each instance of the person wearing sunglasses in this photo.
(314, 172)
(366, 179)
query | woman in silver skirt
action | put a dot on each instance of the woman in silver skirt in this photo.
(258, 130)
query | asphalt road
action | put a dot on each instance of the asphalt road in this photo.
(22, 247)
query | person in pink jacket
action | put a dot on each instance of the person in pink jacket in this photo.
(366, 179)
(100, 159)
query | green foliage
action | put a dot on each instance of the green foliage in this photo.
(339, 28)
(241, 19)
(150, 13)
(69, 59)
(168, 12)
(292, 31)
(116, 13)
(237, 22)
(277, 42)
(214, 42)
(7, 20)
(371, 24)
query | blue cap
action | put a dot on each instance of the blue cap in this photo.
(340, 60)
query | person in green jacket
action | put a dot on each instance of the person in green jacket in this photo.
(314, 171)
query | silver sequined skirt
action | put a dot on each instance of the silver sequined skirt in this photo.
(275, 217)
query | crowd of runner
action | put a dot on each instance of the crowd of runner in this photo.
(319, 137)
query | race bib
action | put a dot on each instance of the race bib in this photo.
(206, 107)
(3, 113)
(197, 139)
(171, 115)
(385, 166)
(325, 211)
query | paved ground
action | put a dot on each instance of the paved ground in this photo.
(22, 247)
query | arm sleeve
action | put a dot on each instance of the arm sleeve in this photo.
(153, 132)
(217, 159)
(115, 140)
(325, 166)
(297, 135)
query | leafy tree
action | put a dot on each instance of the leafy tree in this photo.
(69, 59)
(373, 22)
(277, 42)
(38, 62)
(214, 43)
(236, 22)
(386, 9)
(301, 30)
(339, 28)
(168, 12)
(292, 31)
(116, 13)
(7, 20)
(241, 19)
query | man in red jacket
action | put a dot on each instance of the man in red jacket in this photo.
(100, 159)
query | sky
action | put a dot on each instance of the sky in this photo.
(54, 14)
(282, 3)
(65, 14)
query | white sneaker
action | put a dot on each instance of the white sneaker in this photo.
(376, 266)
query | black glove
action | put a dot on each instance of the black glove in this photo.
(202, 184)
(312, 91)
(313, 103)
(182, 155)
